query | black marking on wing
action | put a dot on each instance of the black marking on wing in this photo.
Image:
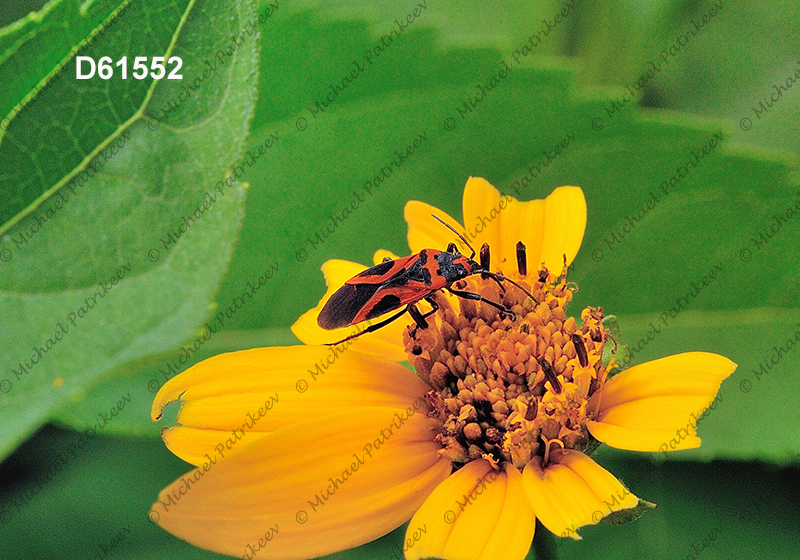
(389, 302)
(416, 272)
(344, 305)
(377, 270)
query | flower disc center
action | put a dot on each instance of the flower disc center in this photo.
(510, 388)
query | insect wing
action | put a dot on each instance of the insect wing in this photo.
(378, 290)
(389, 298)
(345, 303)
(384, 272)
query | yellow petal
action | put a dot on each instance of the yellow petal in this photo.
(573, 491)
(438, 513)
(386, 342)
(314, 488)
(199, 445)
(564, 226)
(265, 389)
(523, 221)
(477, 513)
(549, 228)
(483, 216)
(425, 232)
(654, 406)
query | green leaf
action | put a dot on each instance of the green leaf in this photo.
(735, 50)
(159, 203)
(37, 44)
(606, 27)
(720, 66)
(46, 138)
(617, 167)
(82, 411)
(18, 10)
(85, 334)
(759, 396)
(466, 24)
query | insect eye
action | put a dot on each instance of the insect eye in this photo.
(452, 249)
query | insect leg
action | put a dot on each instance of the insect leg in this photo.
(419, 318)
(375, 327)
(478, 297)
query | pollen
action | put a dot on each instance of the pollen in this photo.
(507, 388)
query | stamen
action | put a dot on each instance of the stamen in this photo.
(485, 260)
(572, 287)
(614, 351)
(580, 349)
(551, 376)
(522, 259)
(543, 274)
(547, 443)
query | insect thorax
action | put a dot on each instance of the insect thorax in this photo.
(453, 267)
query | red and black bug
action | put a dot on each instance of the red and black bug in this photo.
(393, 284)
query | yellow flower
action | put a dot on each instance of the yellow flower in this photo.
(307, 450)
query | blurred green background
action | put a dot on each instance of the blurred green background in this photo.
(63, 495)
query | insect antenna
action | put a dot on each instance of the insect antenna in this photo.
(483, 271)
(461, 237)
(499, 277)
